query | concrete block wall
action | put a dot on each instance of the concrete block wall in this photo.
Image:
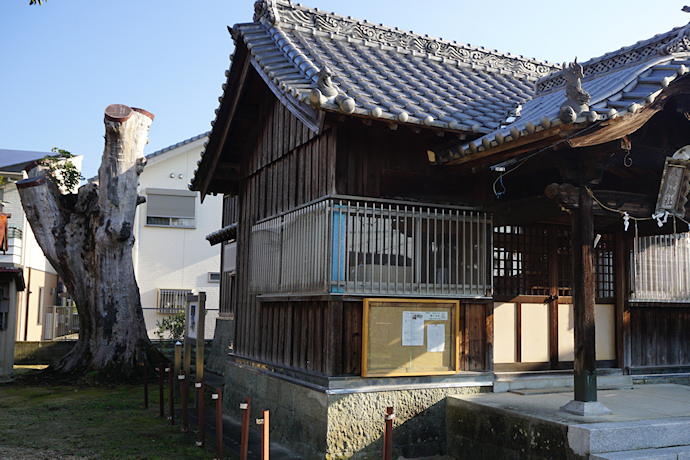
(483, 433)
(318, 424)
(43, 352)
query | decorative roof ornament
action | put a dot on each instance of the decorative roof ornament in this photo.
(325, 83)
(680, 44)
(266, 9)
(577, 98)
(325, 89)
(297, 16)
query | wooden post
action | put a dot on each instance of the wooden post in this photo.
(161, 370)
(218, 396)
(178, 364)
(200, 404)
(171, 398)
(265, 439)
(244, 442)
(183, 388)
(187, 358)
(388, 434)
(553, 298)
(585, 369)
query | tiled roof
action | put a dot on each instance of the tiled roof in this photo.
(227, 233)
(179, 144)
(165, 149)
(385, 73)
(16, 160)
(619, 83)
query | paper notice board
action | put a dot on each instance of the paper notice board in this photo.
(409, 337)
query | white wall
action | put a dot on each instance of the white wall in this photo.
(26, 253)
(176, 258)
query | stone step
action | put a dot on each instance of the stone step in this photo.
(557, 383)
(665, 453)
(609, 437)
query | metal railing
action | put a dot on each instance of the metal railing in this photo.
(65, 321)
(172, 300)
(14, 232)
(373, 247)
(661, 268)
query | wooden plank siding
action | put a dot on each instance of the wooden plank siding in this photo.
(288, 165)
(659, 336)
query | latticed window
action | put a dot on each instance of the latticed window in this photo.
(564, 253)
(525, 255)
(521, 265)
(172, 300)
(604, 268)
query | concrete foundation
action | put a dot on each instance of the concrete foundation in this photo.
(645, 422)
(344, 418)
(43, 352)
(222, 339)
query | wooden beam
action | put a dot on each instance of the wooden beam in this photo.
(513, 148)
(635, 204)
(235, 83)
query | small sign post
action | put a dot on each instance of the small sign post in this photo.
(195, 325)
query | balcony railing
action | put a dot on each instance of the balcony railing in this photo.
(14, 232)
(359, 246)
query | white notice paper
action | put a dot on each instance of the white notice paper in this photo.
(435, 316)
(436, 338)
(413, 329)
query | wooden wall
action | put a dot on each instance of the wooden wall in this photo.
(288, 165)
(660, 336)
(375, 161)
(322, 337)
(325, 337)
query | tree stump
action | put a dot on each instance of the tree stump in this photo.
(88, 238)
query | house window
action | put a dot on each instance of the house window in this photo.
(172, 300)
(40, 305)
(170, 208)
(214, 277)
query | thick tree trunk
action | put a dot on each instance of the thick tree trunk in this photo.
(88, 238)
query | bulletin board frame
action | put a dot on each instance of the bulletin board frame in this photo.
(398, 342)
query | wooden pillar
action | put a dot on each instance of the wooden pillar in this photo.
(553, 297)
(583, 299)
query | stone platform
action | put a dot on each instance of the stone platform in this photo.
(646, 422)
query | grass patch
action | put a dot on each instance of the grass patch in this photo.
(79, 421)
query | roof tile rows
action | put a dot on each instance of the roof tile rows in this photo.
(388, 73)
(402, 77)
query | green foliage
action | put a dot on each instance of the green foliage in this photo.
(62, 170)
(171, 327)
(62, 420)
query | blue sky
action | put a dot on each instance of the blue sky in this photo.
(62, 63)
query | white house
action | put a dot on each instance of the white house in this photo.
(36, 318)
(171, 254)
(30, 291)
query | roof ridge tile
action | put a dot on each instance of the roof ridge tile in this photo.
(289, 15)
